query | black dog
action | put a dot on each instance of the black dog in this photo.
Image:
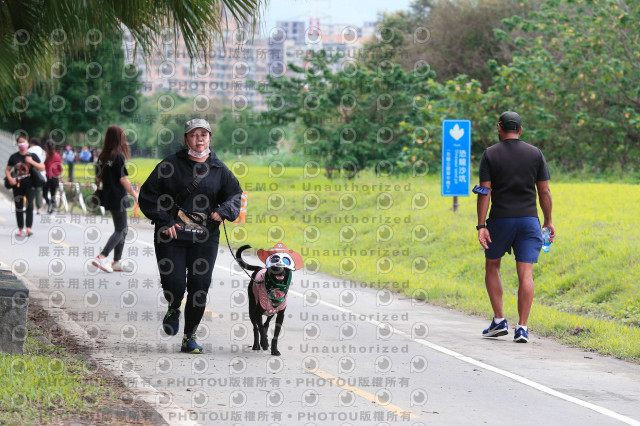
(268, 291)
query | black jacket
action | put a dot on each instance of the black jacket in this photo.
(219, 191)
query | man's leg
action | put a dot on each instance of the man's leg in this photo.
(525, 290)
(494, 285)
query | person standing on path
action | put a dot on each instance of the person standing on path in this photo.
(35, 147)
(69, 157)
(512, 170)
(18, 172)
(112, 171)
(53, 165)
(187, 196)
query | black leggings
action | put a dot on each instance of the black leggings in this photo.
(175, 259)
(25, 190)
(116, 240)
(50, 187)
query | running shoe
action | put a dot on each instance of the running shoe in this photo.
(495, 330)
(102, 263)
(189, 345)
(171, 322)
(521, 336)
(20, 233)
(29, 232)
(120, 266)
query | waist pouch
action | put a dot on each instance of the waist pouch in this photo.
(196, 226)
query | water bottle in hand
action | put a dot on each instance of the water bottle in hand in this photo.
(546, 236)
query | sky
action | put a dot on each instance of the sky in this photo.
(329, 11)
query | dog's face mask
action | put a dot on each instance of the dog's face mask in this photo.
(280, 265)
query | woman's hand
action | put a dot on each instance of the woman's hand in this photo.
(215, 216)
(172, 231)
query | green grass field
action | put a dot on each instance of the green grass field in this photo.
(383, 231)
(47, 383)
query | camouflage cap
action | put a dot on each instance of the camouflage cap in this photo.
(196, 123)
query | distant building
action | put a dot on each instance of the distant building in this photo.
(227, 74)
(243, 59)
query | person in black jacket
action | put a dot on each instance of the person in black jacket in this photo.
(112, 171)
(187, 196)
(20, 166)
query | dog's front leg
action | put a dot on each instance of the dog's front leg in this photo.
(264, 340)
(276, 332)
(256, 322)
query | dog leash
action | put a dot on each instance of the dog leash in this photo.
(231, 250)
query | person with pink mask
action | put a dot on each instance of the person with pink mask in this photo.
(187, 197)
(18, 173)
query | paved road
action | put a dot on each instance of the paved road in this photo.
(350, 355)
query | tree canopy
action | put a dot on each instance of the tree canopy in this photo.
(453, 37)
(353, 118)
(87, 97)
(576, 79)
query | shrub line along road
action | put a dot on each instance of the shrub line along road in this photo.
(349, 354)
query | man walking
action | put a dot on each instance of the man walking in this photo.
(69, 158)
(512, 170)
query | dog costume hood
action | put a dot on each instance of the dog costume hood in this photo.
(279, 249)
(274, 298)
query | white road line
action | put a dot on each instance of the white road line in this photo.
(488, 367)
(530, 383)
(472, 361)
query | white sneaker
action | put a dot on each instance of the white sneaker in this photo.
(120, 266)
(101, 263)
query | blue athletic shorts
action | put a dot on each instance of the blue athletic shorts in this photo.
(521, 233)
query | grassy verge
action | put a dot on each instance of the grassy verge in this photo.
(381, 231)
(53, 384)
(398, 232)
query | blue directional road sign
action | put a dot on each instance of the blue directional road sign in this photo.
(456, 157)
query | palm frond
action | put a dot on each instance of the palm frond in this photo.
(61, 27)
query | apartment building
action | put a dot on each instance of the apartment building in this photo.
(241, 59)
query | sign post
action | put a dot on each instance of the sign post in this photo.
(456, 159)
